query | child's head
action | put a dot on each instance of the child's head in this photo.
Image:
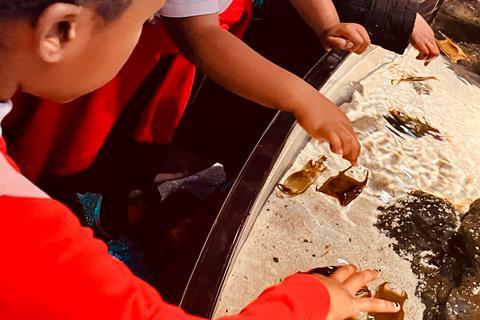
(60, 50)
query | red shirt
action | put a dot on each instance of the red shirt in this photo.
(53, 268)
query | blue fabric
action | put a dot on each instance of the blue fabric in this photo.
(91, 204)
(133, 256)
(258, 3)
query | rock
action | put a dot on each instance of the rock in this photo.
(470, 231)
(437, 285)
(425, 229)
(448, 262)
(465, 11)
(421, 223)
(434, 295)
(464, 301)
(460, 20)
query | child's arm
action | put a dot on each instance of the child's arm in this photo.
(54, 269)
(323, 18)
(392, 25)
(231, 63)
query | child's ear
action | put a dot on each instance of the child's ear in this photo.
(55, 29)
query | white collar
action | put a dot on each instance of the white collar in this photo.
(5, 108)
(12, 183)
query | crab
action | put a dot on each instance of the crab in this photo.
(452, 50)
(396, 82)
(412, 125)
(344, 188)
(386, 292)
(298, 182)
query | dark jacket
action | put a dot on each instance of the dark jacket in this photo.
(429, 8)
(388, 22)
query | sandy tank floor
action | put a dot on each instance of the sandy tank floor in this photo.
(298, 233)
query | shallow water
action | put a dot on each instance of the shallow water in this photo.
(297, 233)
(419, 245)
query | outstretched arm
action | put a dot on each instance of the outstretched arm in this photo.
(231, 63)
(392, 25)
(55, 269)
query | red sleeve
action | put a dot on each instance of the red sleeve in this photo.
(52, 268)
(300, 296)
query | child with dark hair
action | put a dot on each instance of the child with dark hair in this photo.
(109, 10)
(52, 268)
(71, 142)
(67, 140)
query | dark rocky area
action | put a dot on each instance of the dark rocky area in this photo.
(446, 261)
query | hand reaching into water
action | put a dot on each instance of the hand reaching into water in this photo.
(343, 286)
(423, 39)
(324, 121)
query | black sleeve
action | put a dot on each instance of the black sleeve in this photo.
(429, 9)
(388, 22)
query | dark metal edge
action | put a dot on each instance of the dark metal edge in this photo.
(203, 289)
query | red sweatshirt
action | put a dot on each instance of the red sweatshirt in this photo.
(53, 268)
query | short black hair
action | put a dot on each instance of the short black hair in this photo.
(108, 9)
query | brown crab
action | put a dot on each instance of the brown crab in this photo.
(410, 125)
(298, 182)
(396, 82)
(452, 50)
(344, 188)
(386, 292)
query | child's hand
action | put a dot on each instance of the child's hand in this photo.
(423, 40)
(345, 36)
(343, 286)
(323, 120)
